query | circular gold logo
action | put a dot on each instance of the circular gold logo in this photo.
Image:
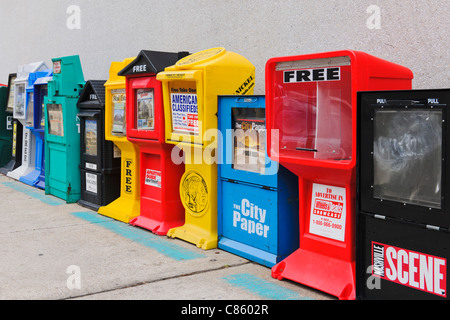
(194, 193)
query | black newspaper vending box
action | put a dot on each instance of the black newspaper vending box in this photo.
(404, 199)
(16, 150)
(100, 161)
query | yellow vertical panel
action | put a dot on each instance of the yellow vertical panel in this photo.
(127, 206)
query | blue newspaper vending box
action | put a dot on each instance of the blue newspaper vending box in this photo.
(35, 107)
(257, 198)
(40, 92)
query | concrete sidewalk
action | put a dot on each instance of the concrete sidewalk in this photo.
(51, 250)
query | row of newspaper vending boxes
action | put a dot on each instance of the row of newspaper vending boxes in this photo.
(335, 178)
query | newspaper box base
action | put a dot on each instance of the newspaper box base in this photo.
(327, 274)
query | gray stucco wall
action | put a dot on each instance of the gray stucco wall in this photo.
(413, 33)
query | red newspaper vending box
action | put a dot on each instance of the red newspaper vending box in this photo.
(311, 130)
(161, 207)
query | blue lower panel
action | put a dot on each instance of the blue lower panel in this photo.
(31, 178)
(248, 221)
(40, 183)
(248, 252)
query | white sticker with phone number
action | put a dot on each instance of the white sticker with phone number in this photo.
(328, 212)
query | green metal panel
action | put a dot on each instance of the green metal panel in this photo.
(5, 128)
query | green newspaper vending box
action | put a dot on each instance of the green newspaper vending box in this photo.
(14, 157)
(62, 129)
(5, 127)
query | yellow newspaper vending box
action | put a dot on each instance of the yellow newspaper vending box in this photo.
(190, 89)
(127, 206)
